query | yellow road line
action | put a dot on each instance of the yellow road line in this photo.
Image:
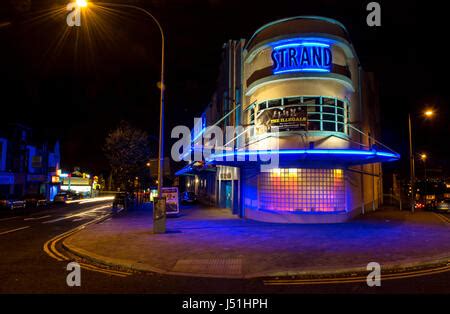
(104, 270)
(404, 275)
(50, 253)
(442, 218)
(51, 250)
(445, 217)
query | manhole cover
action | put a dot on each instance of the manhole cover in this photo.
(213, 266)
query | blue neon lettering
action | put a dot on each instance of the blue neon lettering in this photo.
(301, 57)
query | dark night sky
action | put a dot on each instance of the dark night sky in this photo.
(78, 83)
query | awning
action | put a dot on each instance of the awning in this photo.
(308, 157)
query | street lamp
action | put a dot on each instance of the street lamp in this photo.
(149, 174)
(429, 113)
(83, 4)
(423, 157)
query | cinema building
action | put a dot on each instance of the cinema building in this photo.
(298, 88)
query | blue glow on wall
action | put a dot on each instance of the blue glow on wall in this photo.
(301, 56)
(337, 152)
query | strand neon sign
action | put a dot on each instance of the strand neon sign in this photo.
(301, 57)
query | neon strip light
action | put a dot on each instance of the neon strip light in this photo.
(312, 152)
(303, 70)
(302, 44)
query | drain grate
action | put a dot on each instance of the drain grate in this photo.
(213, 266)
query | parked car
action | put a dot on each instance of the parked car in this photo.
(12, 202)
(188, 198)
(35, 200)
(443, 205)
(63, 197)
(121, 201)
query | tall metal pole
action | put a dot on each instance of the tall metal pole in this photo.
(162, 87)
(161, 123)
(425, 177)
(411, 165)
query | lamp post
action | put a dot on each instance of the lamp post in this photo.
(428, 114)
(162, 87)
(423, 157)
(411, 164)
(83, 4)
(160, 207)
(149, 174)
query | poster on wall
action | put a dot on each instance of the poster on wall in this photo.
(286, 119)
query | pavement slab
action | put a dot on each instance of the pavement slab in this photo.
(211, 242)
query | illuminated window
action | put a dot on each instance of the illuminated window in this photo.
(302, 190)
(322, 114)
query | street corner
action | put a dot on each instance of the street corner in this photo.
(218, 147)
(208, 242)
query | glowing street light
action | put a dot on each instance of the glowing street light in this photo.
(428, 113)
(81, 3)
(161, 86)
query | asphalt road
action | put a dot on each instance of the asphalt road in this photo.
(26, 268)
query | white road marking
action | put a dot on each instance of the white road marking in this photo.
(10, 218)
(85, 213)
(37, 218)
(14, 230)
(91, 200)
(78, 219)
(54, 220)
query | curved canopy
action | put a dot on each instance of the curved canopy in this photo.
(310, 157)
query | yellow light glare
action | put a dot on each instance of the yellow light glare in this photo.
(82, 3)
(429, 113)
(423, 156)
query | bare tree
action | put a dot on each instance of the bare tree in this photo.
(127, 150)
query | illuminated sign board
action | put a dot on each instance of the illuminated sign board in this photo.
(301, 57)
(171, 195)
(293, 118)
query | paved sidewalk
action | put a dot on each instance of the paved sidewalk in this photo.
(212, 242)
